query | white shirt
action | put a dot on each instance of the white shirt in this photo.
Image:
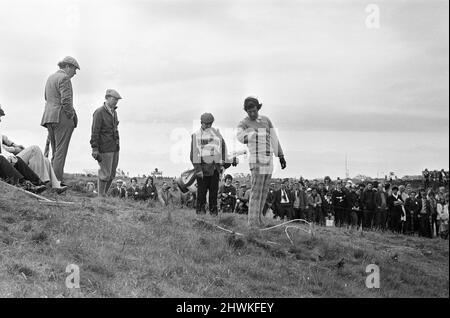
(283, 193)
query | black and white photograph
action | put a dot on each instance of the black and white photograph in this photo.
(224, 156)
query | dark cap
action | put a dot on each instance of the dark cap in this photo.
(251, 101)
(2, 113)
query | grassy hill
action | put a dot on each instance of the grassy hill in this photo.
(130, 249)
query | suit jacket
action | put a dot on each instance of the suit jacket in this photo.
(58, 97)
(278, 197)
(303, 200)
(118, 193)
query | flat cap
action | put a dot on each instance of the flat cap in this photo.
(207, 118)
(70, 60)
(252, 101)
(2, 113)
(113, 93)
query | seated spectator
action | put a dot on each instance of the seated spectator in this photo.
(175, 194)
(243, 198)
(34, 158)
(227, 195)
(118, 191)
(133, 192)
(11, 175)
(164, 196)
(149, 191)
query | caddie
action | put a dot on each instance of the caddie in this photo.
(105, 140)
(209, 157)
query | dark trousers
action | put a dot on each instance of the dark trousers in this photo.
(26, 172)
(353, 217)
(408, 226)
(299, 213)
(205, 184)
(395, 225)
(339, 215)
(367, 219)
(380, 219)
(8, 172)
(285, 210)
(318, 216)
(424, 226)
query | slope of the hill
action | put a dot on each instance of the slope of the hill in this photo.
(128, 249)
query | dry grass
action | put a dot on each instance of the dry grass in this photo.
(127, 249)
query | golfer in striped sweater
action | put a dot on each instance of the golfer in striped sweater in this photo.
(258, 133)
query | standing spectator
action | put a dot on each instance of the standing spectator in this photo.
(105, 140)
(315, 207)
(209, 158)
(300, 202)
(327, 184)
(431, 196)
(412, 211)
(395, 205)
(369, 206)
(270, 199)
(327, 206)
(59, 116)
(424, 215)
(133, 191)
(381, 200)
(227, 195)
(353, 208)
(426, 178)
(258, 133)
(339, 204)
(284, 201)
(442, 210)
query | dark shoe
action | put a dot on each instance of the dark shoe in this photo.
(61, 190)
(39, 189)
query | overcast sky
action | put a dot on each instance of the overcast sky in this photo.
(330, 83)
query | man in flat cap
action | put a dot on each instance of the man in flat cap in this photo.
(258, 133)
(105, 140)
(59, 116)
(209, 157)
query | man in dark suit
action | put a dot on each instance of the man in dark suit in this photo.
(119, 191)
(59, 116)
(284, 201)
(396, 210)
